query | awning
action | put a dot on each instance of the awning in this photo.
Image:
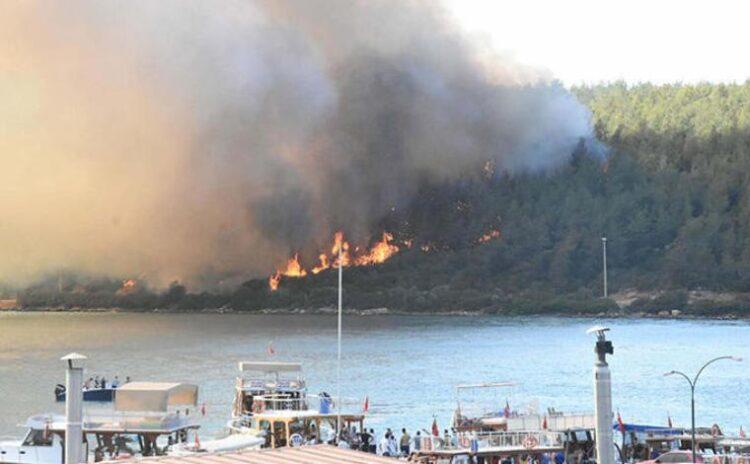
(261, 366)
(315, 454)
(657, 429)
(154, 396)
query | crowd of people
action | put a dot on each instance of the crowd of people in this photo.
(391, 443)
(97, 382)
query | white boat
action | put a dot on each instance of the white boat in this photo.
(145, 421)
(232, 442)
(272, 402)
(493, 430)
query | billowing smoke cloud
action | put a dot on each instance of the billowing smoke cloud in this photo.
(194, 140)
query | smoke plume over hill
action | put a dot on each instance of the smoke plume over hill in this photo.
(203, 141)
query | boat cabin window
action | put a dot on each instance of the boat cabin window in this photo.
(279, 434)
(265, 427)
(247, 404)
(38, 438)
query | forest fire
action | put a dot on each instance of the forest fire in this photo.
(491, 235)
(293, 269)
(128, 286)
(378, 253)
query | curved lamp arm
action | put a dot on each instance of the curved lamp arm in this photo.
(711, 362)
(681, 374)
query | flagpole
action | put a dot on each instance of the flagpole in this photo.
(338, 363)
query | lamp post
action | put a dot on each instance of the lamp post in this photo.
(692, 383)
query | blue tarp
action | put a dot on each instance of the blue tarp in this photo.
(638, 428)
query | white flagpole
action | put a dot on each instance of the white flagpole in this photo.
(338, 364)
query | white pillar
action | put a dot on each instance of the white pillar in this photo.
(604, 418)
(74, 408)
(604, 263)
(603, 399)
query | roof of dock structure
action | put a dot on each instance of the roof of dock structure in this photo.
(314, 454)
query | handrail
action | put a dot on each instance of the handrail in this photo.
(516, 440)
(280, 402)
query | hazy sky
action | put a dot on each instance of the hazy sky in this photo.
(635, 40)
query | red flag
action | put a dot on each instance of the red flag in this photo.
(742, 432)
(506, 411)
(366, 406)
(544, 424)
(620, 423)
(669, 421)
(435, 428)
(270, 350)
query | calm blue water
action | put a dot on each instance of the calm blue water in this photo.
(407, 365)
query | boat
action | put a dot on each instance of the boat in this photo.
(103, 395)
(493, 431)
(272, 402)
(146, 420)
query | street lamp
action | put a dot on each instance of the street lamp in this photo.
(692, 391)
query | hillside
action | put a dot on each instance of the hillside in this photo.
(671, 196)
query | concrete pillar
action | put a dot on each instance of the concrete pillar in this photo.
(603, 399)
(74, 408)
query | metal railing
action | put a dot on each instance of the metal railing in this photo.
(138, 421)
(318, 403)
(517, 440)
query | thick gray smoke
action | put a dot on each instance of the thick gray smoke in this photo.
(195, 140)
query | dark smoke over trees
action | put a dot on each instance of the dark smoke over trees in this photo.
(205, 141)
(672, 198)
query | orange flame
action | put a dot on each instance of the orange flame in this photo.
(491, 235)
(128, 286)
(274, 281)
(324, 264)
(293, 269)
(379, 252)
(340, 244)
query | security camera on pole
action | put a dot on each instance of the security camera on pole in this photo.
(603, 397)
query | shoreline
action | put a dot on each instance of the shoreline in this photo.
(623, 314)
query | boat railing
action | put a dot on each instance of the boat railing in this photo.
(257, 383)
(323, 404)
(517, 440)
(155, 421)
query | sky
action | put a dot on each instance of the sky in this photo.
(587, 41)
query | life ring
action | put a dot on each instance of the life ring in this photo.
(530, 442)
(741, 460)
(464, 441)
(716, 460)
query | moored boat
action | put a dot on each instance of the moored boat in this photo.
(147, 420)
(271, 401)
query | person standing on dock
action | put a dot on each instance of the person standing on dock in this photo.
(405, 440)
(382, 449)
(418, 441)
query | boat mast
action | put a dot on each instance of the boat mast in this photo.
(338, 363)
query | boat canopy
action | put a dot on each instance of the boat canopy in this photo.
(468, 386)
(155, 396)
(652, 429)
(269, 367)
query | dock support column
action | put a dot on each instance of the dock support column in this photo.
(603, 399)
(74, 408)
